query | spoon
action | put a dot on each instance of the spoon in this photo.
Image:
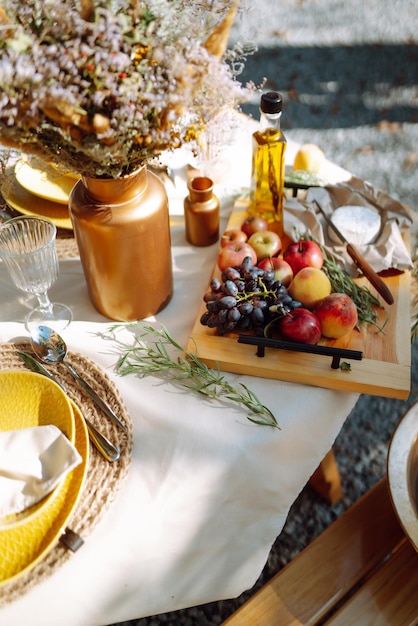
(109, 451)
(50, 347)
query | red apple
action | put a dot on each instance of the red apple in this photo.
(309, 286)
(233, 255)
(303, 253)
(281, 268)
(232, 235)
(300, 325)
(253, 224)
(266, 243)
(337, 314)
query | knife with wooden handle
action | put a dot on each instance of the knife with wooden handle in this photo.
(360, 261)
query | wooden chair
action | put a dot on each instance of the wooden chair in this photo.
(361, 570)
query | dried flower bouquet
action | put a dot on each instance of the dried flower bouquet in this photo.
(102, 86)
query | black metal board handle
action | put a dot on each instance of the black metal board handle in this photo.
(336, 354)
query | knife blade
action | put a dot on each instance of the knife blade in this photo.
(109, 451)
(359, 260)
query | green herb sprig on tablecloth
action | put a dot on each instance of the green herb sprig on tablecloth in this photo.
(154, 358)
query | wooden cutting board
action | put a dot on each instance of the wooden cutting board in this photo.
(384, 370)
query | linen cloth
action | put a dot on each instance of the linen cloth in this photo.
(208, 492)
(32, 463)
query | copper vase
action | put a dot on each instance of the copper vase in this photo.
(122, 230)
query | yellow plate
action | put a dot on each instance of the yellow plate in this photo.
(29, 204)
(24, 547)
(28, 400)
(45, 183)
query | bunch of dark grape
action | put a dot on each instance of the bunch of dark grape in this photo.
(246, 298)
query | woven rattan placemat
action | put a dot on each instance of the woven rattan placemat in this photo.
(66, 244)
(103, 479)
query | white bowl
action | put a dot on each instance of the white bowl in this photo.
(403, 473)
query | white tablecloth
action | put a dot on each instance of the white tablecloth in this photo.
(207, 493)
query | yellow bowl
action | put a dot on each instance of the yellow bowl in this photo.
(28, 400)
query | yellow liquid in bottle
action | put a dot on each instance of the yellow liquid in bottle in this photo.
(267, 177)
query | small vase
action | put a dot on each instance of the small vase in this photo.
(201, 212)
(122, 230)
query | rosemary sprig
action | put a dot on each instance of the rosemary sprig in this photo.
(186, 369)
(414, 328)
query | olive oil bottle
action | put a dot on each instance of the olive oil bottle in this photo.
(268, 163)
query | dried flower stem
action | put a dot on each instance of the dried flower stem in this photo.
(187, 370)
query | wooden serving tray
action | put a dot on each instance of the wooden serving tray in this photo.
(384, 370)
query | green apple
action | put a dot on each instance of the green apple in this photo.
(266, 244)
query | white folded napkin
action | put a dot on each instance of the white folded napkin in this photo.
(32, 463)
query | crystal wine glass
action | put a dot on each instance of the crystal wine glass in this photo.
(27, 247)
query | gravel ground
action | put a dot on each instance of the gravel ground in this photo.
(349, 78)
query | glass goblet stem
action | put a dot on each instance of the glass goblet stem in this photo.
(44, 302)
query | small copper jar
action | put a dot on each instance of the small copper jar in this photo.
(201, 212)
